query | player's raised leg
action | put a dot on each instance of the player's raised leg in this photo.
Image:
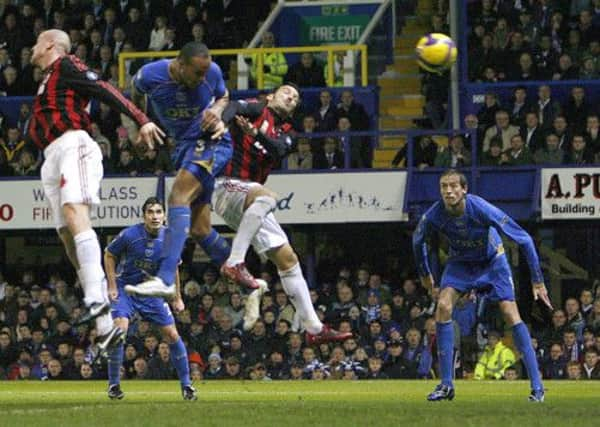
(259, 202)
(186, 188)
(445, 342)
(295, 286)
(522, 341)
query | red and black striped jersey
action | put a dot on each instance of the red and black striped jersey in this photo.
(254, 157)
(62, 100)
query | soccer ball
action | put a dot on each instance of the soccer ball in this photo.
(436, 52)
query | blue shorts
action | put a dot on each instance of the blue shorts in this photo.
(493, 277)
(155, 310)
(205, 160)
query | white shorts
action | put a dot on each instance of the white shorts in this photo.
(228, 200)
(71, 172)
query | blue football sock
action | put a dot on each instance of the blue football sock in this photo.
(445, 344)
(523, 344)
(216, 247)
(175, 235)
(179, 359)
(115, 361)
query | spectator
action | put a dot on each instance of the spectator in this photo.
(503, 128)
(555, 367)
(573, 370)
(160, 366)
(519, 106)
(577, 109)
(425, 151)
(487, 113)
(531, 132)
(592, 132)
(140, 367)
(435, 88)
(331, 157)
(10, 85)
(545, 58)
(526, 69)
(360, 151)
(55, 372)
(13, 146)
(302, 158)
(307, 72)
(170, 40)
(485, 56)
(275, 65)
(493, 157)
(518, 154)
(325, 115)
(27, 165)
(591, 367)
(578, 152)
(565, 70)
(551, 153)
(127, 163)
(158, 35)
(348, 107)
(455, 155)
(496, 358)
(573, 47)
(546, 108)
(588, 71)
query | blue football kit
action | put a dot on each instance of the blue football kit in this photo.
(476, 260)
(179, 110)
(138, 254)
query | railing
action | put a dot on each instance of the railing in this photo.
(259, 52)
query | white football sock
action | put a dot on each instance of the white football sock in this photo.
(91, 275)
(296, 288)
(90, 271)
(249, 225)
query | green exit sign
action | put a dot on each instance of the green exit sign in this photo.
(334, 10)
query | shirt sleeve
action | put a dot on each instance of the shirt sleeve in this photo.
(87, 82)
(140, 83)
(508, 226)
(118, 244)
(276, 146)
(420, 246)
(249, 109)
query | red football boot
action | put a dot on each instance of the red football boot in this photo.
(327, 335)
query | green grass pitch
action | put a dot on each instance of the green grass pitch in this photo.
(305, 403)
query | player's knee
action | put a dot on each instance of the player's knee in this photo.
(200, 231)
(444, 309)
(122, 323)
(286, 258)
(170, 335)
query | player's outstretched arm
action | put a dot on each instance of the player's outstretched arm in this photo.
(509, 227)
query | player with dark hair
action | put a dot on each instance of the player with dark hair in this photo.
(261, 140)
(188, 94)
(132, 255)
(476, 261)
(72, 169)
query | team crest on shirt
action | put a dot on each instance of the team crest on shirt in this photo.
(90, 75)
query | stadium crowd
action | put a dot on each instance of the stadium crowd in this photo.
(520, 130)
(392, 323)
(534, 40)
